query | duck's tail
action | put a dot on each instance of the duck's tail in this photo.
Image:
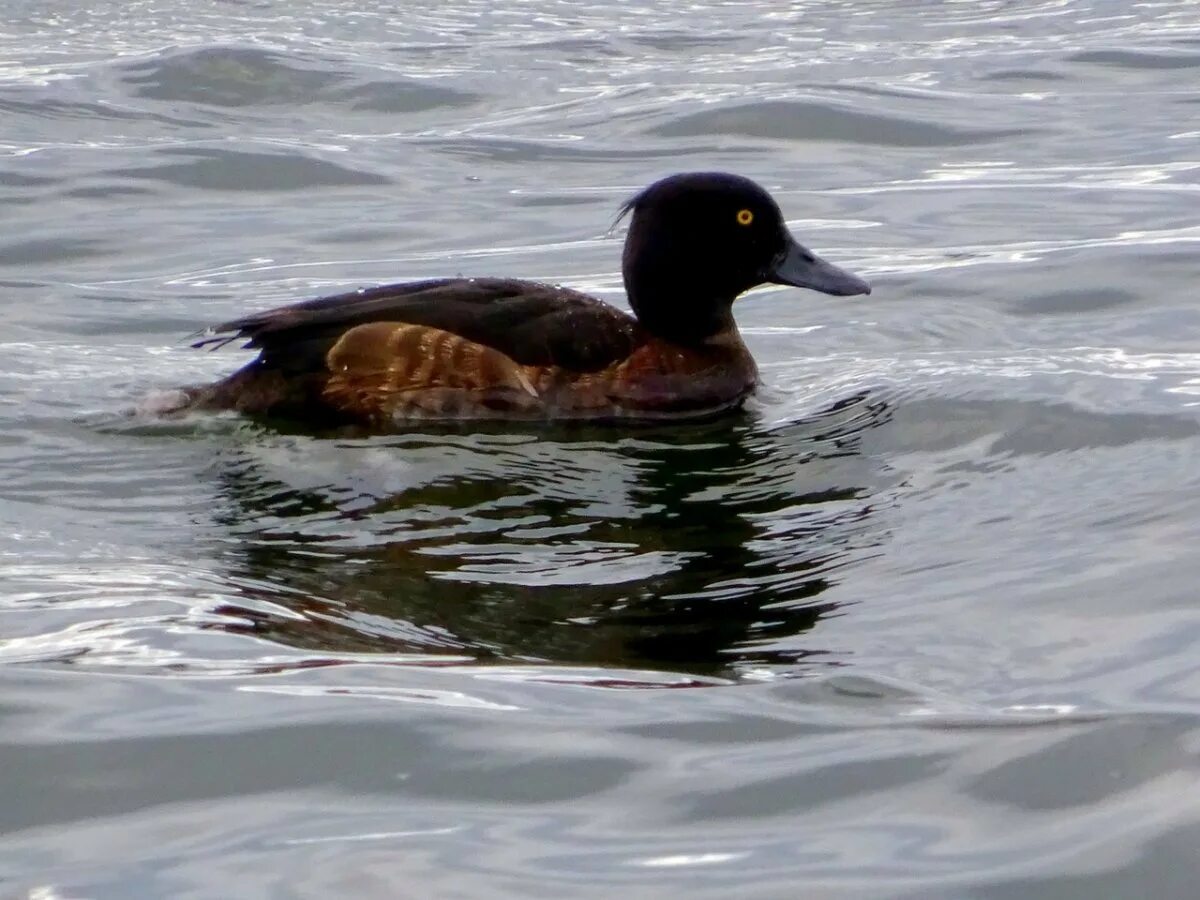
(255, 389)
(168, 403)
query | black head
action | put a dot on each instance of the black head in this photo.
(699, 239)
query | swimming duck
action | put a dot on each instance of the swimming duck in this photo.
(459, 348)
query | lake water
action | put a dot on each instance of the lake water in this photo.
(920, 623)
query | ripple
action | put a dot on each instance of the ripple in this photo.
(1045, 780)
(681, 40)
(238, 170)
(1073, 301)
(1137, 59)
(1010, 429)
(19, 180)
(507, 150)
(40, 252)
(405, 96)
(811, 121)
(58, 110)
(235, 77)
(1022, 75)
(226, 76)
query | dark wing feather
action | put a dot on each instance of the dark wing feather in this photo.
(534, 324)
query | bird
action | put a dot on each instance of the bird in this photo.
(505, 348)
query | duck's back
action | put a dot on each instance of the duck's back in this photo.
(535, 324)
(465, 348)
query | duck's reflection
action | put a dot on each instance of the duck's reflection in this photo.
(705, 550)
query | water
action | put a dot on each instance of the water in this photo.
(919, 624)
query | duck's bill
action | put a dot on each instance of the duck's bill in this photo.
(800, 267)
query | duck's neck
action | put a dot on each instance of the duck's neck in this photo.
(682, 310)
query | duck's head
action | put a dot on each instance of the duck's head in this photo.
(698, 240)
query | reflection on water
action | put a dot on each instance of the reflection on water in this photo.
(688, 549)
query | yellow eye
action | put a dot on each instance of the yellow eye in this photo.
(745, 217)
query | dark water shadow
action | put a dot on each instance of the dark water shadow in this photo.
(701, 550)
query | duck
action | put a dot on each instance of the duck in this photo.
(505, 348)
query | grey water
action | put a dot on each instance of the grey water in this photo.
(921, 622)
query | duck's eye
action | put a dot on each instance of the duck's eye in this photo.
(745, 217)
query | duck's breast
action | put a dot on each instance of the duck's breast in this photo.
(658, 379)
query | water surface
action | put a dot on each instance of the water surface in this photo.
(919, 623)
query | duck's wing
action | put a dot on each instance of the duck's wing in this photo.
(531, 323)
